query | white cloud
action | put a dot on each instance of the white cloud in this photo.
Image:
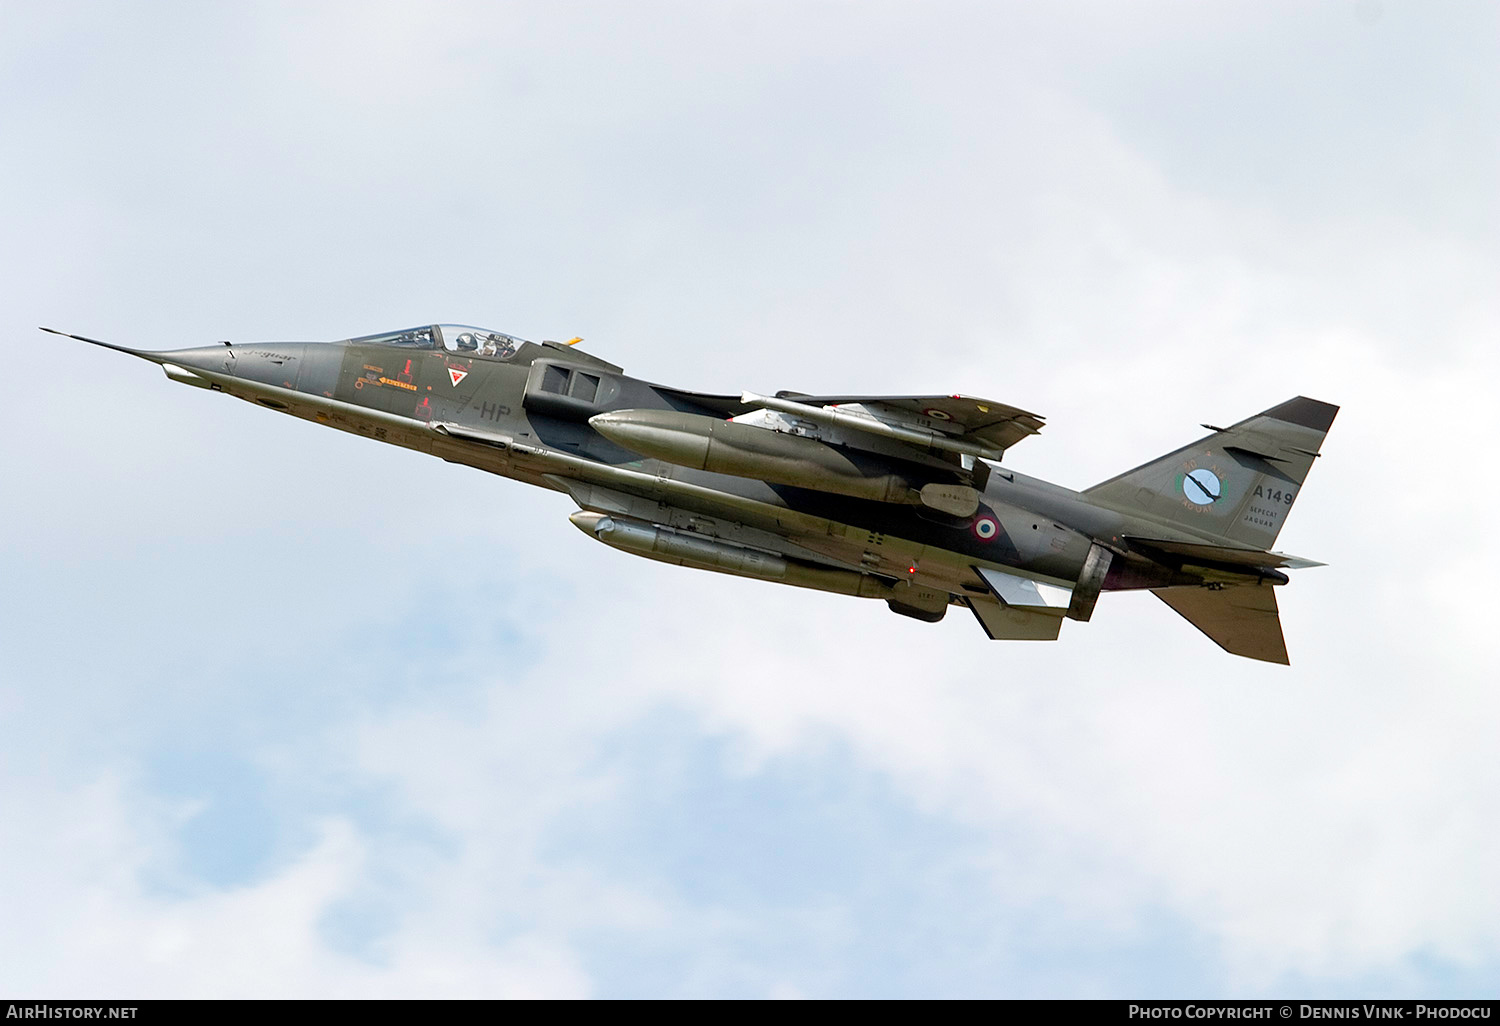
(80, 923)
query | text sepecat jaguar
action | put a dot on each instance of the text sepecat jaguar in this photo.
(897, 498)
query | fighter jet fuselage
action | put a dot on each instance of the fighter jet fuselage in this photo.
(901, 498)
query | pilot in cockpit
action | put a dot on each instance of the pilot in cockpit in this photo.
(456, 338)
(495, 344)
(479, 341)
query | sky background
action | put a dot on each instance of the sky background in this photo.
(289, 713)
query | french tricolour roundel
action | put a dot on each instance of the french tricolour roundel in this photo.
(986, 527)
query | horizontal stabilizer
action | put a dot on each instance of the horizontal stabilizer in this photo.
(1232, 555)
(1242, 619)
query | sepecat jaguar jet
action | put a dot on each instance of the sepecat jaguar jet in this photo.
(897, 498)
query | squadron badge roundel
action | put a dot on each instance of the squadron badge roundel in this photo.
(985, 528)
(1202, 486)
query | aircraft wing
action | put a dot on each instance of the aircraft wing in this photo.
(981, 426)
(952, 423)
(981, 420)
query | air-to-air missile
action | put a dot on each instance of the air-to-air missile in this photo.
(900, 498)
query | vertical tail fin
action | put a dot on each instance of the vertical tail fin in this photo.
(1236, 485)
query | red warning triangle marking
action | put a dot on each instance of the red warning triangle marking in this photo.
(457, 375)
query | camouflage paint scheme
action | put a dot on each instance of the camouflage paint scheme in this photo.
(900, 498)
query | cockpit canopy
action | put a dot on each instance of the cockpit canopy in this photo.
(455, 338)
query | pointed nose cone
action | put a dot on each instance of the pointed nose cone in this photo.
(178, 363)
(591, 524)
